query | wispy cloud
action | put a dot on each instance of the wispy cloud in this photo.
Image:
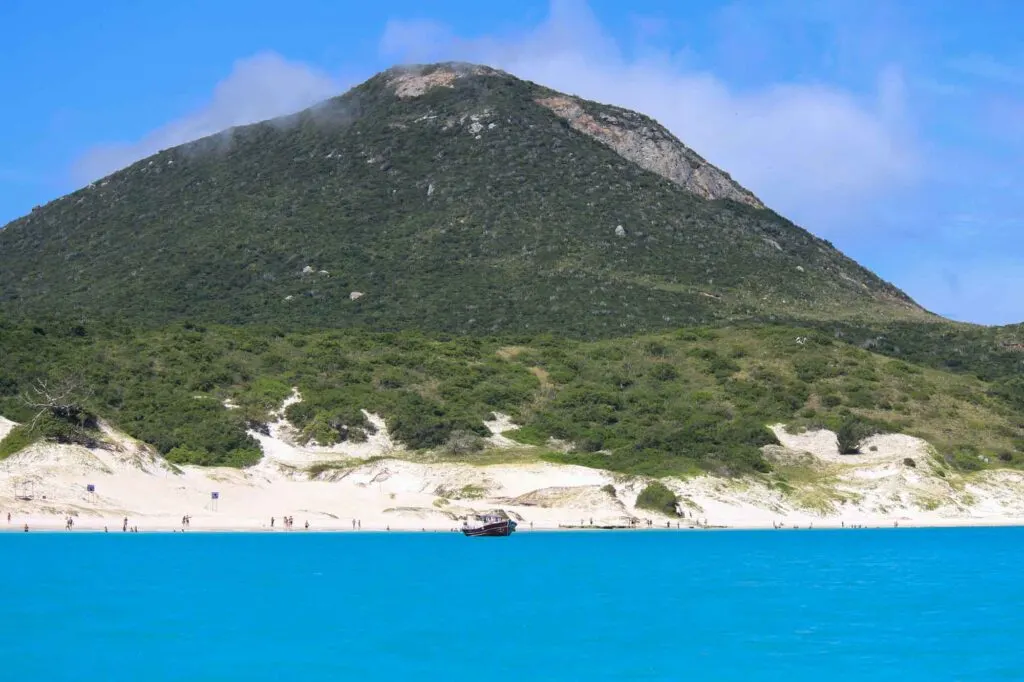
(808, 150)
(263, 86)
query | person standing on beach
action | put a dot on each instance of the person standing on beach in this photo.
(271, 523)
(124, 526)
(307, 525)
(360, 524)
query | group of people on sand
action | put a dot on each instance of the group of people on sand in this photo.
(778, 525)
(186, 521)
(288, 522)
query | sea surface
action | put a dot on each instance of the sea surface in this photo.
(866, 605)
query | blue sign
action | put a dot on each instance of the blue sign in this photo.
(90, 488)
(214, 496)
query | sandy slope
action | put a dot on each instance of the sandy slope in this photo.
(45, 483)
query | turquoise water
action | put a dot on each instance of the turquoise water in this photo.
(873, 606)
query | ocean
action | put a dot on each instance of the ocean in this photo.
(865, 605)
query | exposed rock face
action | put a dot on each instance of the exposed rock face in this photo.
(653, 148)
(414, 82)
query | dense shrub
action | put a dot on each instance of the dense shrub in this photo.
(851, 433)
(657, 497)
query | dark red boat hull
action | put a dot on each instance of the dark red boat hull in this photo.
(491, 530)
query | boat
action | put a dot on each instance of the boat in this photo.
(490, 525)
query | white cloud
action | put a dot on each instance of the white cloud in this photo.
(810, 151)
(263, 86)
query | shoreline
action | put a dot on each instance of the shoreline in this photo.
(55, 525)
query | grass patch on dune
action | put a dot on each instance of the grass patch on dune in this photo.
(19, 438)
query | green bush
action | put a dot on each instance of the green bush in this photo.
(527, 435)
(19, 438)
(851, 433)
(657, 497)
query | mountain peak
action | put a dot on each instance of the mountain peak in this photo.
(450, 197)
(633, 136)
(414, 80)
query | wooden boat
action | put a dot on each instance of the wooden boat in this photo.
(490, 525)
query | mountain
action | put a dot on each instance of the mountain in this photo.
(448, 197)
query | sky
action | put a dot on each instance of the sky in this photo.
(893, 129)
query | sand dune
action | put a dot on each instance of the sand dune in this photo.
(46, 483)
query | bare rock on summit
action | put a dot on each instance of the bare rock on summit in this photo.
(652, 147)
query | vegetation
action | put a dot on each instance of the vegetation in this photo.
(57, 414)
(851, 433)
(680, 403)
(658, 498)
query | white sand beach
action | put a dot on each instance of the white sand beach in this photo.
(377, 486)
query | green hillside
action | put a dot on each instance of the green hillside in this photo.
(680, 402)
(470, 208)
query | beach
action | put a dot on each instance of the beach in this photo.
(377, 486)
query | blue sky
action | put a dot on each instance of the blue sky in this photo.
(893, 129)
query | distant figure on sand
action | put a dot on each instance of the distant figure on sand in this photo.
(271, 522)
(124, 526)
(26, 527)
(307, 525)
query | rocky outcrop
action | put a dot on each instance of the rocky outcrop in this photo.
(652, 147)
(414, 81)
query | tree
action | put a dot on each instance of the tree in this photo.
(59, 411)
